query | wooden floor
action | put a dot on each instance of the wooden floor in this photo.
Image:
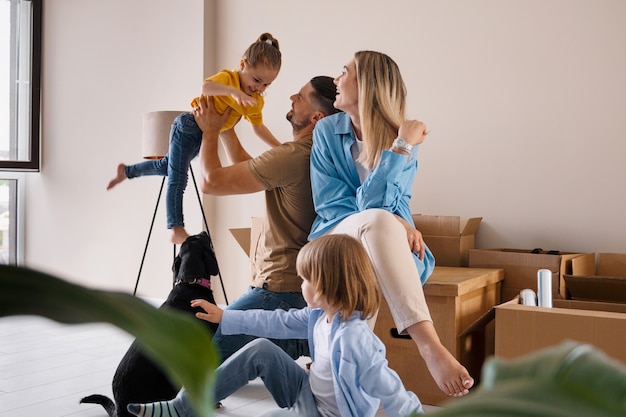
(47, 367)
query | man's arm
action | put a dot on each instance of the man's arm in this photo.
(215, 179)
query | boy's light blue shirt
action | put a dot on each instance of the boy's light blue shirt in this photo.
(361, 374)
(337, 189)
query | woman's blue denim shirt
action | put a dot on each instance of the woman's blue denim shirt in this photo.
(337, 189)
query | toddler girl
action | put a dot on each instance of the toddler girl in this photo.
(241, 90)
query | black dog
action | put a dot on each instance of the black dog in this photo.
(137, 378)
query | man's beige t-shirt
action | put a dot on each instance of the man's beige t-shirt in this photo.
(284, 171)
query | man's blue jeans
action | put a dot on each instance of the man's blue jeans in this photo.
(185, 140)
(259, 298)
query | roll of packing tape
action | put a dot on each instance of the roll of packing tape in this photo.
(528, 297)
(544, 288)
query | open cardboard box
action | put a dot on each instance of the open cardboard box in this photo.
(521, 266)
(604, 280)
(449, 237)
(521, 329)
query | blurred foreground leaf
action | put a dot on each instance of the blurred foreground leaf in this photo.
(177, 342)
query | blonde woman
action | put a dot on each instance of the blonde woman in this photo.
(363, 163)
(348, 377)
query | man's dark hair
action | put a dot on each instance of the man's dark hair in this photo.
(324, 94)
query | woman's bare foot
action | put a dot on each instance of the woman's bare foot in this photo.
(179, 235)
(119, 177)
(451, 377)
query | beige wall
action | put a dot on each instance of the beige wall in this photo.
(524, 99)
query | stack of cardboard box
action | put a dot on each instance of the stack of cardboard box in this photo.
(469, 285)
(458, 297)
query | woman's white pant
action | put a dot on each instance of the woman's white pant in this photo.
(385, 240)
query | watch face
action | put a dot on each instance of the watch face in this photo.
(401, 143)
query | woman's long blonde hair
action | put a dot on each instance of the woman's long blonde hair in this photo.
(340, 269)
(382, 103)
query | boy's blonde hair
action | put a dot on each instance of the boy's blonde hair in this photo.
(340, 269)
(382, 103)
(265, 51)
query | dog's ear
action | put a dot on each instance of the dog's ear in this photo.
(210, 259)
(211, 263)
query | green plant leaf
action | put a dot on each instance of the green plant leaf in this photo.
(180, 344)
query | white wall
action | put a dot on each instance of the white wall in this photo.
(105, 64)
(524, 100)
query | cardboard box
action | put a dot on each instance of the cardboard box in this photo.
(457, 298)
(449, 237)
(601, 280)
(248, 237)
(521, 266)
(522, 329)
(243, 237)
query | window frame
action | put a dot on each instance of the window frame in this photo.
(34, 140)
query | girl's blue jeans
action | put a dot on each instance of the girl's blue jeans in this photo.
(185, 140)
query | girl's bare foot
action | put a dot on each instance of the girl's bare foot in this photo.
(451, 377)
(179, 235)
(119, 177)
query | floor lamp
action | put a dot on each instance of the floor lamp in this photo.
(156, 139)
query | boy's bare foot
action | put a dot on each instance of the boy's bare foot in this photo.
(451, 377)
(179, 235)
(119, 177)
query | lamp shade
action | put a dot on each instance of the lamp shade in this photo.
(156, 133)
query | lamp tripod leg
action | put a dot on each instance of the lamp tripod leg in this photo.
(143, 258)
(206, 226)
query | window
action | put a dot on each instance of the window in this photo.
(10, 222)
(20, 44)
(20, 73)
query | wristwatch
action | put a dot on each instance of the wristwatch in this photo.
(402, 144)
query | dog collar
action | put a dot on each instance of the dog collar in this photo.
(206, 283)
